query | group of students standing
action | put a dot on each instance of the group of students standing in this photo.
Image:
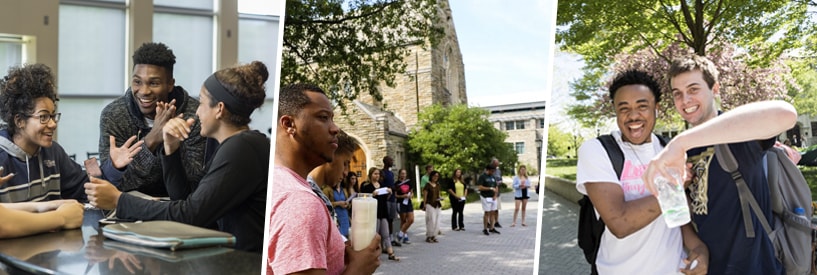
(155, 139)
(312, 186)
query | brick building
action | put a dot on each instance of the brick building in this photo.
(434, 75)
(525, 125)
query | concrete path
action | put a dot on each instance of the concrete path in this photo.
(470, 252)
(559, 250)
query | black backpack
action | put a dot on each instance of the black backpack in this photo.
(590, 226)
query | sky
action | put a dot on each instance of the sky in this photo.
(505, 48)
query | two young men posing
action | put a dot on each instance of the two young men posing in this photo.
(636, 239)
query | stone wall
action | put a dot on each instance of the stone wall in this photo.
(532, 136)
(434, 75)
(372, 129)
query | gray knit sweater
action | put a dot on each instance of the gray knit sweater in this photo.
(123, 119)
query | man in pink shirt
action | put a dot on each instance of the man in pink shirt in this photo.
(303, 236)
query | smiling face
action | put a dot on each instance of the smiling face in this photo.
(34, 134)
(402, 175)
(693, 98)
(149, 85)
(207, 115)
(635, 113)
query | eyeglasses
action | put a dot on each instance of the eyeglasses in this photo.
(44, 118)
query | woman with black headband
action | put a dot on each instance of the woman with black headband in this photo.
(232, 195)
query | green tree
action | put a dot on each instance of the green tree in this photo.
(804, 95)
(353, 46)
(459, 137)
(600, 30)
(559, 142)
(739, 83)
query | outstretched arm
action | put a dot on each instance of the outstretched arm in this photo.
(753, 121)
(18, 223)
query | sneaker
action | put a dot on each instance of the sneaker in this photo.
(396, 243)
(485, 231)
(406, 239)
(497, 225)
(494, 231)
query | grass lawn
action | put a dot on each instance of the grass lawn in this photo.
(566, 169)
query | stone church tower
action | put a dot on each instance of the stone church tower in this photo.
(434, 75)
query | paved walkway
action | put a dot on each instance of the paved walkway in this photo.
(559, 251)
(469, 252)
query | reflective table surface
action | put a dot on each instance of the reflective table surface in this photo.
(86, 251)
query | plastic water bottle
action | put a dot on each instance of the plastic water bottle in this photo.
(800, 217)
(672, 199)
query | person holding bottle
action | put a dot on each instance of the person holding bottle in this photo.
(382, 195)
(520, 193)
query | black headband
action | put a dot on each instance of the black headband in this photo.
(221, 94)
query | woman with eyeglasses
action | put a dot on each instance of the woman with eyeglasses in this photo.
(33, 166)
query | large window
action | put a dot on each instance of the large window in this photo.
(92, 49)
(11, 52)
(515, 125)
(190, 4)
(189, 33)
(258, 40)
(509, 125)
(519, 147)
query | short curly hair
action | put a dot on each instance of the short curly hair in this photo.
(20, 87)
(635, 77)
(246, 83)
(292, 98)
(154, 53)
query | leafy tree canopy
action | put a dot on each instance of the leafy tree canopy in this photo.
(459, 137)
(599, 30)
(739, 83)
(353, 46)
(559, 142)
(804, 94)
(606, 34)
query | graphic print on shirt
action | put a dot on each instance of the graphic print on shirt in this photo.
(631, 182)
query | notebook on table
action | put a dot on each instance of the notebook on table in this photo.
(167, 234)
(164, 254)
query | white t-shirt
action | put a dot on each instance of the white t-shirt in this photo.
(655, 249)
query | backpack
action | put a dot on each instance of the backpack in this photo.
(788, 189)
(590, 226)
